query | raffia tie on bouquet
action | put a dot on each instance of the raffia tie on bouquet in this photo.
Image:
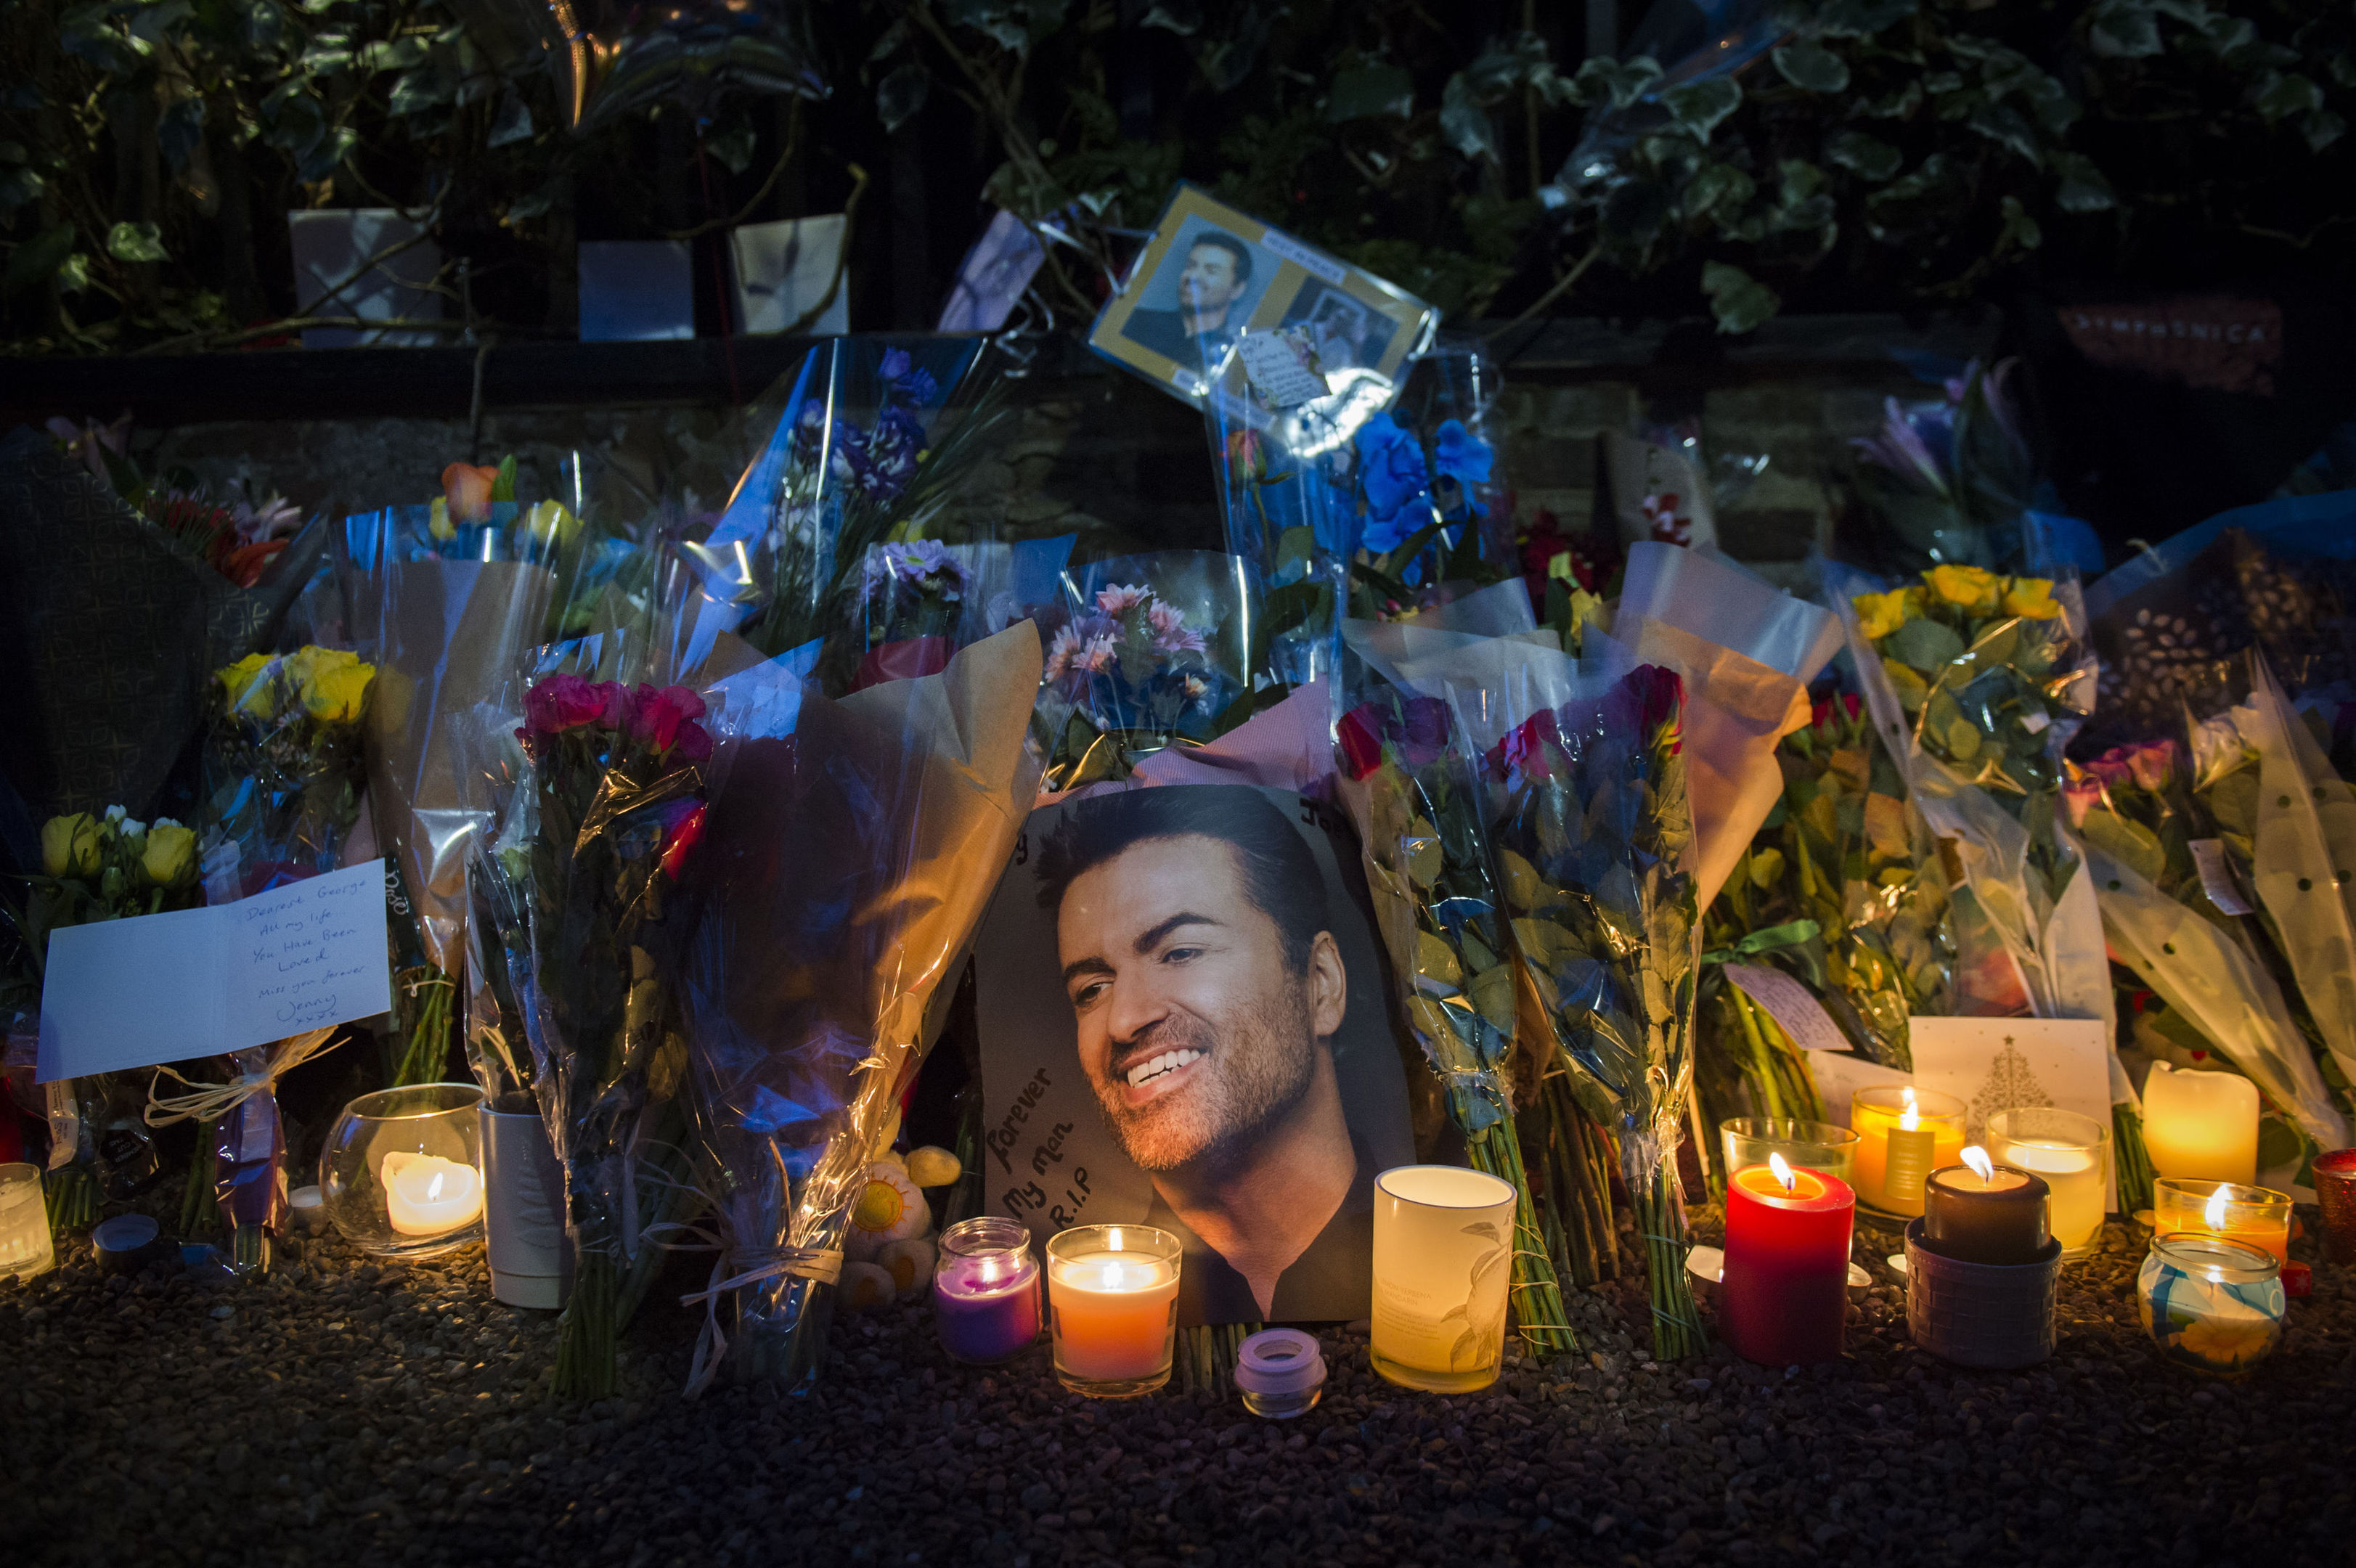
(210, 1101)
(755, 1265)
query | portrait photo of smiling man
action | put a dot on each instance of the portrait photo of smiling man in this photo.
(1223, 1009)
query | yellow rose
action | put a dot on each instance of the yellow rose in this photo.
(243, 680)
(1878, 614)
(69, 845)
(438, 522)
(550, 519)
(1971, 587)
(337, 693)
(2030, 598)
(170, 857)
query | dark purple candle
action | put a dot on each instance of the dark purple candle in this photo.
(986, 1290)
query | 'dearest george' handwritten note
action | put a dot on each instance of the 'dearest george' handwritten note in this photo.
(120, 994)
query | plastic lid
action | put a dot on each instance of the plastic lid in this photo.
(1280, 1361)
(124, 1233)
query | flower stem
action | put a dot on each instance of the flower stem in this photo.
(1661, 1220)
(586, 1335)
(1537, 1294)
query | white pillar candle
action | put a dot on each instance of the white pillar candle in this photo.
(2201, 1124)
(25, 1248)
(426, 1195)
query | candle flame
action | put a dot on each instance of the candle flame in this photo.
(1114, 1244)
(434, 1188)
(1782, 1171)
(990, 1271)
(1910, 1119)
(1977, 1157)
(2216, 1212)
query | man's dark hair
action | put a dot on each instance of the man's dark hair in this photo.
(1220, 240)
(1280, 876)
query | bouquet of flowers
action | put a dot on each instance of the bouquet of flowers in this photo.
(848, 858)
(1949, 477)
(1587, 812)
(1140, 664)
(239, 539)
(93, 868)
(620, 780)
(282, 768)
(1411, 789)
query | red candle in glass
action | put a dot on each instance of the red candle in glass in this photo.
(1784, 1292)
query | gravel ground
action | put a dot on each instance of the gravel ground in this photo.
(365, 1414)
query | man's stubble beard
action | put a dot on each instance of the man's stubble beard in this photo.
(1259, 1076)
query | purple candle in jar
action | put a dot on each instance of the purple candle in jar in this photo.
(986, 1290)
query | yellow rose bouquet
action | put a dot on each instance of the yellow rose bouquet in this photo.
(92, 868)
(282, 768)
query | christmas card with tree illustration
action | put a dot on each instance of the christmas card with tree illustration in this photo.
(1992, 1064)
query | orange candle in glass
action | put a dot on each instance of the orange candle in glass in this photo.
(1112, 1306)
(1903, 1135)
(2257, 1215)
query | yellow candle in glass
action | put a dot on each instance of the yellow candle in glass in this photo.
(2071, 1153)
(1904, 1134)
(2200, 1125)
(2257, 1215)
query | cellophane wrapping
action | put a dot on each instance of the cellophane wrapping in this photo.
(849, 855)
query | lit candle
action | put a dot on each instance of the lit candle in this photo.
(24, 1246)
(1902, 1136)
(426, 1195)
(2210, 1303)
(1982, 1212)
(986, 1290)
(1783, 1294)
(2071, 1153)
(1112, 1298)
(1443, 1259)
(2201, 1124)
(2257, 1215)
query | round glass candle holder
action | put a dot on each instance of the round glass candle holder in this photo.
(1112, 1308)
(2071, 1155)
(1443, 1259)
(401, 1173)
(1894, 1158)
(1805, 1145)
(2212, 1304)
(986, 1290)
(2257, 1215)
(24, 1246)
(2335, 1200)
(1280, 1372)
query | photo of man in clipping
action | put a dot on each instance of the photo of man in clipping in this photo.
(1212, 283)
(1200, 960)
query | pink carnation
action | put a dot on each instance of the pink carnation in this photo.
(1114, 599)
(666, 720)
(561, 702)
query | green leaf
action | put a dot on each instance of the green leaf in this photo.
(900, 97)
(179, 130)
(2082, 187)
(514, 121)
(1898, 105)
(2322, 128)
(1869, 156)
(1464, 122)
(36, 261)
(1812, 66)
(1739, 301)
(2125, 840)
(2278, 97)
(2124, 29)
(733, 147)
(18, 186)
(1925, 644)
(393, 54)
(1699, 106)
(1370, 89)
(1718, 185)
(418, 91)
(329, 153)
(2019, 228)
(2008, 127)
(1621, 82)
(73, 274)
(1862, 19)
(137, 242)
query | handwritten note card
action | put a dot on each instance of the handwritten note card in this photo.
(1273, 361)
(203, 982)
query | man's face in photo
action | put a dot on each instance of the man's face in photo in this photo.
(1193, 1032)
(1209, 285)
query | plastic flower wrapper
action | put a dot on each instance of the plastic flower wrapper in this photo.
(283, 769)
(2206, 963)
(853, 850)
(1949, 477)
(239, 1166)
(868, 443)
(1587, 794)
(1408, 784)
(92, 868)
(921, 601)
(1152, 652)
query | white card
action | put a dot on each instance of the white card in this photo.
(120, 994)
(1839, 1076)
(1993, 1064)
(2217, 876)
(785, 271)
(1789, 1003)
(1274, 362)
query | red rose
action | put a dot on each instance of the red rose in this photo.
(561, 702)
(664, 719)
(1361, 741)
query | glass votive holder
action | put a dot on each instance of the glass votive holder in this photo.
(986, 1290)
(2210, 1303)
(2257, 1215)
(1281, 1373)
(1443, 1260)
(2334, 1199)
(1112, 1308)
(2073, 1154)
(402, 1172)
(1820, 1147)
(1904, 1134)
(24, 1247)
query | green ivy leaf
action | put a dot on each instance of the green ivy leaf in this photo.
(329, 153)
(1464, 122)
(2124, 29)
(19, 187)
(1699, 106)
(900, 97)
(392, 54)
(179, 130)
(2082, 187)
(2322, 128)
(36, 261)
(1812, 66)
(1739, 300)
(2019, 228)
(1861, 18)
(514, 121)
(2008, 127)
(1370, 90)
(1718, 186)
(73, 274)
(733, 147)
(1898, 105)
(1869, 156)
(418, 91)
(1621, 82)
(2278, 97)
(137, 242)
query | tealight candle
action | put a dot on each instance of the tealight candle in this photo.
(2257, 1215)
(2210, 1303)
(1902, 1136)
(2202, 1125)
(425, 1194)
(986, 1290)
(1112, 1304)
(2072, 1154)
(24, 1246)
(1784, 1291)
(1982, 1212)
